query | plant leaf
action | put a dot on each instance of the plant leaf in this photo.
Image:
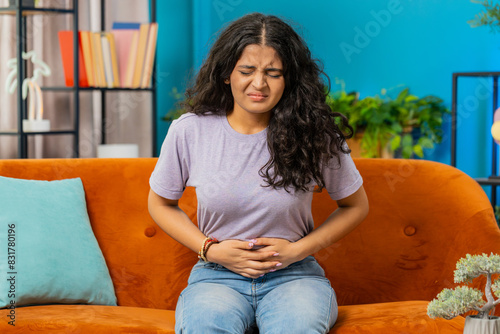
(417, 149)
(395, 142)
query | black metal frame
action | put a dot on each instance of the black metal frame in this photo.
(21, 12)
(494, 179)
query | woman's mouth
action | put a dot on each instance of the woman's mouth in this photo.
(257, 96)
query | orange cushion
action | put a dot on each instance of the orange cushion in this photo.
(397, 317)
(93, 319)
(385, 318)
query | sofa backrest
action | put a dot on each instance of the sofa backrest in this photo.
(423, 217)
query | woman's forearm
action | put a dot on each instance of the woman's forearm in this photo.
(351, 212)
(233, 254)
(171, 219)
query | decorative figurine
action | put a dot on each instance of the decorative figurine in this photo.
(35, 121)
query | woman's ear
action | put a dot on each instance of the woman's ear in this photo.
(226, 81)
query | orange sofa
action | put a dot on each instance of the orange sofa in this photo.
(423, 217)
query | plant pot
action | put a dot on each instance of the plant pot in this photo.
(475, 325)
(355, 145)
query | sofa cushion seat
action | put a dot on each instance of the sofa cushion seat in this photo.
(382, 318)
(394, 317)
(93, 319)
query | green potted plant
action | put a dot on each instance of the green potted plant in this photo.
(371, 130)
(406, 124)
(450, 303)
(489, 17)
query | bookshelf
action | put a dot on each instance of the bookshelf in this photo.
(21, 12)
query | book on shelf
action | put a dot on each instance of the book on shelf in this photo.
(125, 25)
(147, 70)
(98, 59)
(131, 61)
(87, 56)
(66, 46)
(121, 58)
(126, 50)
(106, 56)
(114, 59)
(141, 54)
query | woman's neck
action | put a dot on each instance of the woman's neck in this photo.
(248, 123)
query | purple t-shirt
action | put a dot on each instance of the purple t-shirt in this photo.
(223, 165)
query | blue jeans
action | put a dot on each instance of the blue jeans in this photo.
(296, 299)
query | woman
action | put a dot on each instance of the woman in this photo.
(257, 138)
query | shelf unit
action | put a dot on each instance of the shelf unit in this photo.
(494, 179)
(21, 12)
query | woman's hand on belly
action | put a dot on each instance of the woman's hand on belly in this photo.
(285, 251)
(240, 257)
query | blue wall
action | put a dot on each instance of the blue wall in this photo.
(174, 55)
(370, 45)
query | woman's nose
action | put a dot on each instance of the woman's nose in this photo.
(259, 81)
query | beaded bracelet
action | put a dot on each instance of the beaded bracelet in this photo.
(209, 241)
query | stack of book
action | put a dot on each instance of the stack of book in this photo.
(122, 58)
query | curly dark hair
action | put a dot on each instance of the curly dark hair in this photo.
(304, 134)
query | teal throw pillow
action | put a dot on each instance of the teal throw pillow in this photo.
(49, 254)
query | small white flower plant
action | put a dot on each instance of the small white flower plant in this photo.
(450, 303)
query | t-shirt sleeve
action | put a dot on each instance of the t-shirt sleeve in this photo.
(343, 181)
(171, 172)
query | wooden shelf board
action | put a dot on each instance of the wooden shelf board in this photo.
(34, 11)
(52, 132)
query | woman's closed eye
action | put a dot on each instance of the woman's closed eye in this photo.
(273, 74)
